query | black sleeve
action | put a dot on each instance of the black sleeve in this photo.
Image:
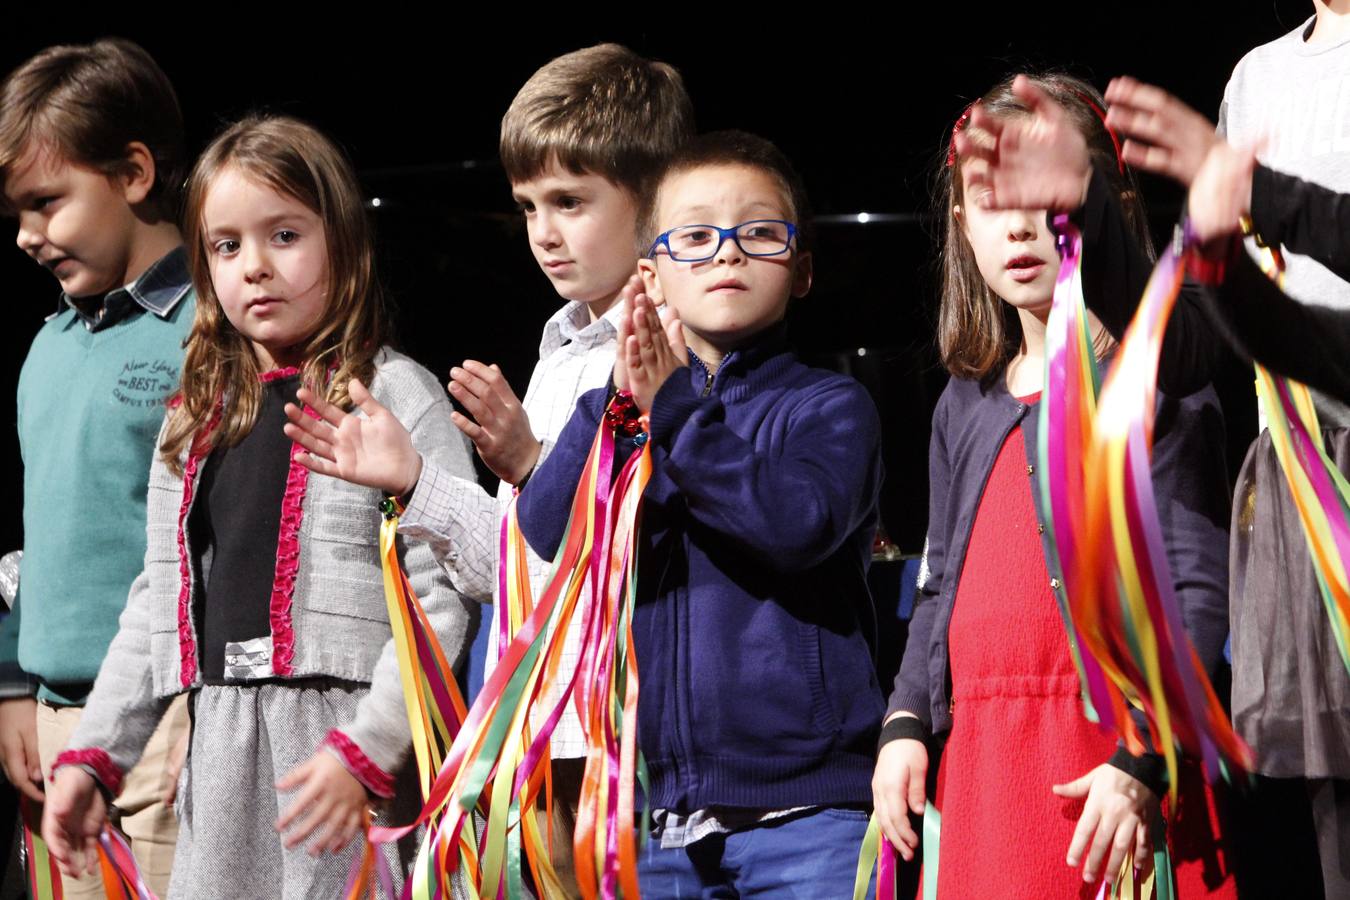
(1304, 342)
(1304, 217)
(1115, 272)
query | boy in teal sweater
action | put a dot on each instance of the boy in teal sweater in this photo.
(91, 156)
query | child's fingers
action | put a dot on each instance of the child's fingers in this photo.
(364, 401)
(494, 382)
(300, 832)
(1143, 850)
(660, 341)
(1120, 89)
(304, 798)
(317, 464)
(1145, 156)
(633, 357)
(1035, 98)
(1076, 788)
(314, 443)
(675, 336)
(631, 288)
(329, 412)
(917, 793)
(91, 856)
(1120, 847)
(1082, 835)
(345, 832)
(300, 419)
(471, 384)
(1104, 844)
(626, 320)
(471, 429)
(639, 317)
(481, 412)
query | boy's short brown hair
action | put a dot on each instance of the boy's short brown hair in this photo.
(86, 103)
(730, 148)
(603, 110)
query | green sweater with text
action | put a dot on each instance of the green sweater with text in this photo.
(90, 406)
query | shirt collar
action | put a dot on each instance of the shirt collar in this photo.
(572, 327)
(158, 290)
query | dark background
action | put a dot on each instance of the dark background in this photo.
(861, 103)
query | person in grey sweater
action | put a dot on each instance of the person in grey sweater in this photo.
(262, 594)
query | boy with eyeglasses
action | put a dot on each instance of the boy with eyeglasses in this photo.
(759, 705)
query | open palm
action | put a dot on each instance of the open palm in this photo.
(374, 450)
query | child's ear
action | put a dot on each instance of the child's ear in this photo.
(137, 178)
(960, 215)
(802, 272)
(651, 282)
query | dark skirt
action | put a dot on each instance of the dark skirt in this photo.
(1291, 691)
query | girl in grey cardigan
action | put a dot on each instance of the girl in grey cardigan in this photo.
(262, 593)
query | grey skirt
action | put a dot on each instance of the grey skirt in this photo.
(244, 738)
(1291, 692)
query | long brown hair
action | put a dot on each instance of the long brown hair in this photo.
(977, 332)
(220, 369)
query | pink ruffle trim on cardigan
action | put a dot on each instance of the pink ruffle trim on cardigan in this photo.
(274, 374)
(98, 760)
(372, 777)
(187, 641)
(288, 560)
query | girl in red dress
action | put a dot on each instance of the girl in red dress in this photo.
(1026, 783)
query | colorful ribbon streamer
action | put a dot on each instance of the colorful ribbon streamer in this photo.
(1067, 410)
(122, 879)
(1122, 610)
(497, 759)
(44, 879)
(121, 876)
(877, 853)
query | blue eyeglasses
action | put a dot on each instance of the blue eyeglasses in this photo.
(696, 243)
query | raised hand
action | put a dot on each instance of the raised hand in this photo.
(653, 351)
(331, 800)
(1116, 816)
(500, 428)
(1034, 161)
(376, 451)
(630, 290)
(1163, 135)
(72, 818)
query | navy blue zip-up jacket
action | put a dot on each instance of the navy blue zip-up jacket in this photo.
(757, 683)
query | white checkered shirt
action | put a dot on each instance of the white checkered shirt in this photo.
(462, 521)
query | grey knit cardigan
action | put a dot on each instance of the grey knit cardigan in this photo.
(328, 611)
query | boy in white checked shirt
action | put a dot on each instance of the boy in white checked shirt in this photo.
(580, 143)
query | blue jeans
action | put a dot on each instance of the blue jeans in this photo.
(812, 856)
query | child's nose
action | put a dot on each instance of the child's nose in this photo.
(29, 238)
(256, 264)
(1021, 225)
(544, 231)
(730, 251)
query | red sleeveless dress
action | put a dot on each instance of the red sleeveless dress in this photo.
(1018, 724)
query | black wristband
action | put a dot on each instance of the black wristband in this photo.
(903, 728)
(1148, 768)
